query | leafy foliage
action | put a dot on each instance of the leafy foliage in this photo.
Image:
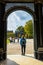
(19, 31)
(29, 28)
(20, 28)
(10, 34)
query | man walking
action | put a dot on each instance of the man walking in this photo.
(23, 44)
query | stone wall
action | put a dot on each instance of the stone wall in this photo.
(22, 1)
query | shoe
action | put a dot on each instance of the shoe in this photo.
(24, 54)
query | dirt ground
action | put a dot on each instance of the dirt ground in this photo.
(14, 48)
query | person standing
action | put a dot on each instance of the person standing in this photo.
(11, 39)
(23, 44)
(14, 40)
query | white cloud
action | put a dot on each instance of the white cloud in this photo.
(14, 20)
(17, 17)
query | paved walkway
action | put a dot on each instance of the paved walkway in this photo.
(21, 60)
(15, 48)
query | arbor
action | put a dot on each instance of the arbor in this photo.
(29, 28)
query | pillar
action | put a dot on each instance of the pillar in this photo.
(2, 31)
(38, 24)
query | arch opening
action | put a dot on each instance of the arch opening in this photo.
(25, 9)
(15, 20)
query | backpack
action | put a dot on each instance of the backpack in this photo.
(23, 41)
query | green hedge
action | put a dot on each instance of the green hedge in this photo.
(10, 35)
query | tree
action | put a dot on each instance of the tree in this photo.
(20, 30)
(29, 28)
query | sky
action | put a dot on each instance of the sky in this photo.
(16, 19)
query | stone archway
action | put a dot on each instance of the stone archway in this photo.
(38, 26)
(10, 10)
(24, 8)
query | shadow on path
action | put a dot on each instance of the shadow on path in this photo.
(8, 62)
